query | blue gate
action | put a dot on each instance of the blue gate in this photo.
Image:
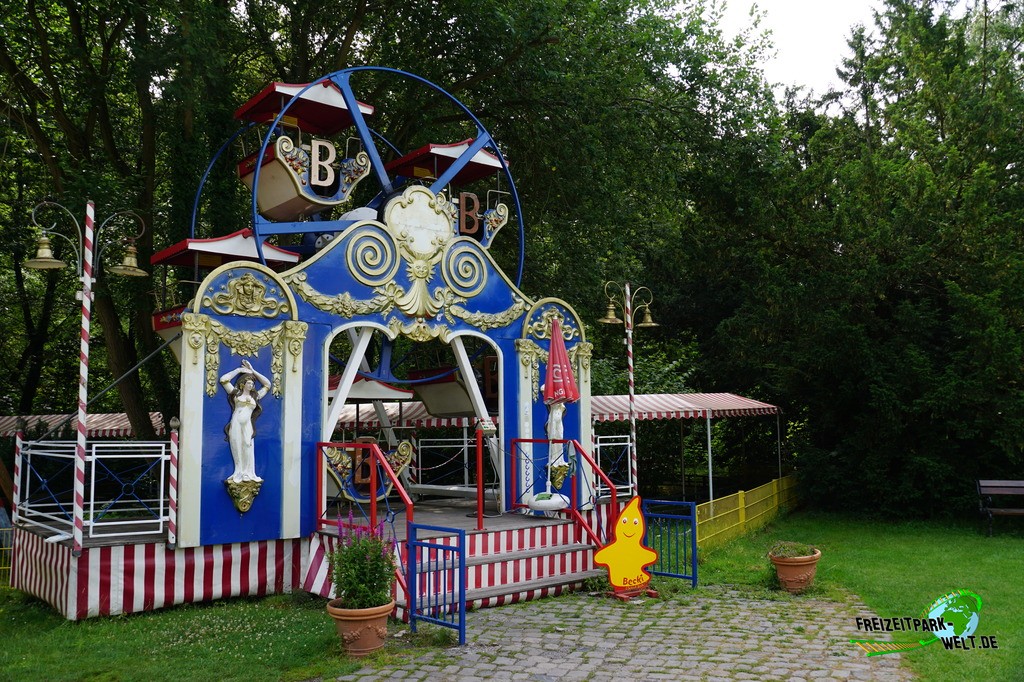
(672, 533)
(437, 580)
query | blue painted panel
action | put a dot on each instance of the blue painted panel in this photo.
(221, 522)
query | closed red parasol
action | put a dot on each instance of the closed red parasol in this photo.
(559, 385)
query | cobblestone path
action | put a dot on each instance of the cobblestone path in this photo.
(711, 634)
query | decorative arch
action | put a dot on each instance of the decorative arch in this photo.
(407, 275)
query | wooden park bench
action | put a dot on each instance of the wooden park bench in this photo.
(988, 489)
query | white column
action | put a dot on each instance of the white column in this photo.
(190, 435)
(291, 433)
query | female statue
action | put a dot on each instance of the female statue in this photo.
(240, 431)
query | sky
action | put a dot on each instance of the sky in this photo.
(809, 36)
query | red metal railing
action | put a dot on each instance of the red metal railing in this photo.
(574, 499)
(479, 478)
(377, 458)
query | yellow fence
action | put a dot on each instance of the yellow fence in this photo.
(730, 517)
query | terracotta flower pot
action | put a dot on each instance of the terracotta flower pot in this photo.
(796, 574)
(362, 631)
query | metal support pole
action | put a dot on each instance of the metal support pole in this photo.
(628, 311)
(682, 456)
(778, 442)
(172, 518)
(83, 379)
(628, 318)
(87, 252)
(711, 485)
(19, 443)
(479, 477)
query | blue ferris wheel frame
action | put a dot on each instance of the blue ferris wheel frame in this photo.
(263, 228)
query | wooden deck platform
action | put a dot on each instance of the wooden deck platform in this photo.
(443, 512)
(128, 534)
(515, 557)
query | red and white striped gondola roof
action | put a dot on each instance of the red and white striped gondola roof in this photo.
(99, 425)
(603, 408)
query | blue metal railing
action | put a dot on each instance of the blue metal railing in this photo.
(672, 533)
(437, 580)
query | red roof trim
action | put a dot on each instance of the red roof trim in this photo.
(317, 114)
(168, 256)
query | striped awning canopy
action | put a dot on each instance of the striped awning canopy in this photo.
(730, 405)
(603, 408)
(615, 408)
(99, 425)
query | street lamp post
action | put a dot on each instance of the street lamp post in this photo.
(87, 260)
(623, 297)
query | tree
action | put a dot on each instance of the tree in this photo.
(598, 104)
(885, 297)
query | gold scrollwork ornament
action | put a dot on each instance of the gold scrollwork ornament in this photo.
(344, 304)
(541, 329)
(558, 473)
(243, 493)
(340, 462)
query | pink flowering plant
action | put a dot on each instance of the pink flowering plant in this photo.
(362, 566)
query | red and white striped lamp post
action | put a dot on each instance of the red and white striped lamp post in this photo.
(622, 296)
(88, 258)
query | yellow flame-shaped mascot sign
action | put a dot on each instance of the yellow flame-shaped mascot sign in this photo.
(627, 558)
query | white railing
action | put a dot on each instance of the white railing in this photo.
(612, 456)
(140, 506)
(126, 488)
(444, 466)
(45, 491)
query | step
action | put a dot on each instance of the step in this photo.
(486, 593)
(506, 556)
(553, 533)
(480, 597)
(520, 566)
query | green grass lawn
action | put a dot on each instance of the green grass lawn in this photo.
(282, 637)
(898, 569)
(238, 639)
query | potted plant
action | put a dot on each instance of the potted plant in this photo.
(795, 564)
(363, 573)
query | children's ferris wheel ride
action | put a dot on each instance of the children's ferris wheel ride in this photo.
(301, 181)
